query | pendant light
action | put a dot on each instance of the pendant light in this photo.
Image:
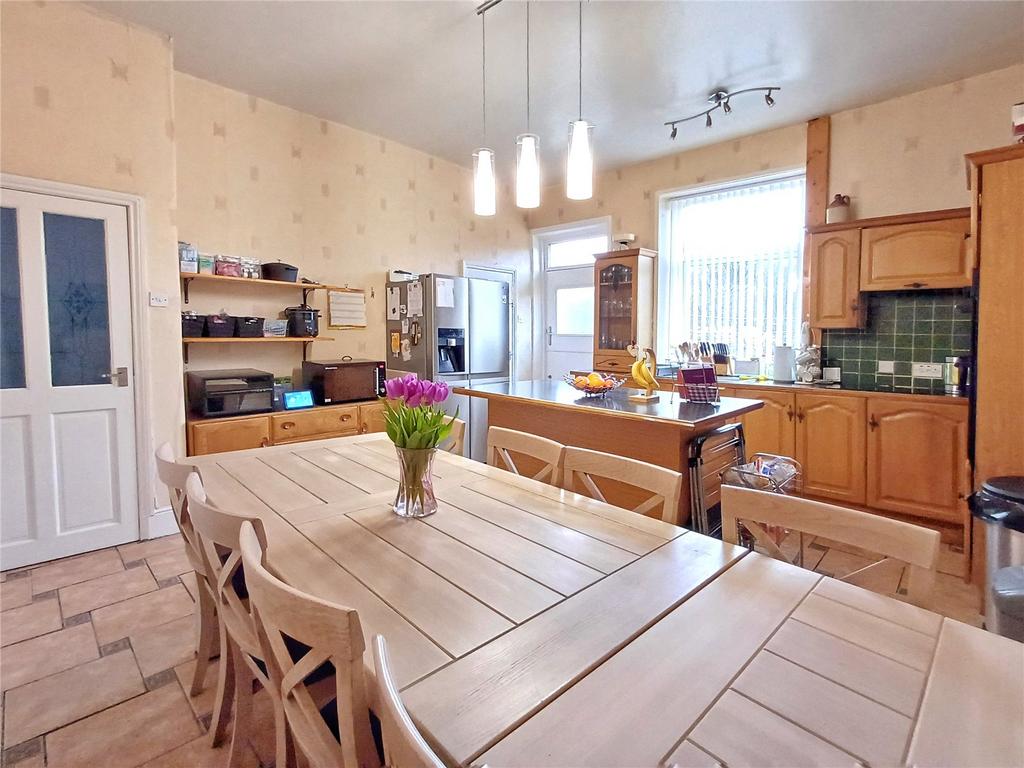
(483, 158)
(527, 146)
(579, 171)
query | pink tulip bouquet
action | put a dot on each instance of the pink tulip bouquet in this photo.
(413, 420)
(416, 426)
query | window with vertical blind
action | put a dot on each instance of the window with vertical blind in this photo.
(731, 266)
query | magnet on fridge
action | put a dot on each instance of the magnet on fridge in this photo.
(405, 326)
(396, 343)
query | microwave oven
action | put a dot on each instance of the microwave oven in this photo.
(230, 392)
(344, 381)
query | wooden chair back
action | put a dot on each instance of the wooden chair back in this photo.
(457, 438)
(222, 557)
(581, 466)
(333, 635)
(174, 476)
(404, 747)
(502, 443)
(895, 540)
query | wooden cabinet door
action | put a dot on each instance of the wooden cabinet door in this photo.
(229, 435)
(917, 458)
(769, 429)
(371, 418)
(830, 445)
(927, 255)
(835, 280)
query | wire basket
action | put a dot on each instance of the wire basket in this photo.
(767, 472)
(702, 393)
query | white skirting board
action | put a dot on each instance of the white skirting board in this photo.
(160, 523)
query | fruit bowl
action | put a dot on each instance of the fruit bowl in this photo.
(591, 386)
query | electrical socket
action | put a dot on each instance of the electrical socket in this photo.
(886, 366)
(926, 370)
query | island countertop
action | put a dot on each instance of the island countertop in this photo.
(557, 394)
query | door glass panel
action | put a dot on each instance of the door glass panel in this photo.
(76, 293)
(573, 253)
(615, 283)
(574, 311)
(12, 345)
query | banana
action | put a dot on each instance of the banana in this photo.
(635, 372)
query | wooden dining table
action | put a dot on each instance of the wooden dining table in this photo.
(530, 626)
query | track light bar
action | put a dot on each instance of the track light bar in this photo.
(719, 99)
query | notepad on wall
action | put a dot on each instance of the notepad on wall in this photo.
(346, 308)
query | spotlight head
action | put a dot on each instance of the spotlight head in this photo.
(726, 107)
(768, 99)
(707, 123)
(674, 131)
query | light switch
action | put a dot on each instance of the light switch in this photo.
(158, 299)
(886, 366)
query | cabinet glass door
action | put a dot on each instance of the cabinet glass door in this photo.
(615, 306)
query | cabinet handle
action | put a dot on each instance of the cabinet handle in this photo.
(346, 416)
(915, 285)
(854, 305)
(264, 442)
(873, 422)
(789, 412)
(800, 415)
(288, 425)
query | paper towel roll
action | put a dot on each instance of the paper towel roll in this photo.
(784, 367)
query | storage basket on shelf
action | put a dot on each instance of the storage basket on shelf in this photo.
(248, 327)
(219, 326)
(192, 325)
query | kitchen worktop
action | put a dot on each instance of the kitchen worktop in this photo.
(669, 408)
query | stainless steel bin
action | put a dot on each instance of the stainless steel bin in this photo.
(1000, 505)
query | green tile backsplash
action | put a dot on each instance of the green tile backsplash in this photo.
(909, 327)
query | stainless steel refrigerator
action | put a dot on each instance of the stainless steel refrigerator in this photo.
(452, 329)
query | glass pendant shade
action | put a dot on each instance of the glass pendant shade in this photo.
(579, 172)
(527, 171)
(483, 183)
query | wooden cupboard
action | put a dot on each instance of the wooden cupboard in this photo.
(830, 446)
(835, 278)
(623, 306)
(770, 429)
(917, 459)
(925, 255)
(241, 432)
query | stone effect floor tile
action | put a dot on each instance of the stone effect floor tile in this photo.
(48, 654)
(131, 733)
(30, 621)
(15, 593)
(28, 754)
(165, 645)
(140, 550)
(198, 754)
(122, 619)
(105, 590)
(169, 564)
(73, 570)
(191, 584)
(57, 700)
(202, 704)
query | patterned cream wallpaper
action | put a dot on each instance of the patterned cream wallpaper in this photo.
(89, 100)
(259, 179)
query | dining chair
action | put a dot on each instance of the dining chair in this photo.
(174, 476)
(895, 540)
(327, 717)
(457, 437)
(502, 443)
(241, 656)
(581, 466)
(404, 746)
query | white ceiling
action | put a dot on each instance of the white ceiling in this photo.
(410, 71)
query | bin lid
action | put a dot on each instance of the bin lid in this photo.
(1009, 487)
(1014, 520)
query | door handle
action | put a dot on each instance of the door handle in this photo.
(550, 333)
(118, 377)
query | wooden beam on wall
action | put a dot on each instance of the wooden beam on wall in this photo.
(818, 132)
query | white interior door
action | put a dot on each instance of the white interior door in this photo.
(67, 415)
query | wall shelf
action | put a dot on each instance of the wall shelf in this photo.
(304, 340)
(253, 282)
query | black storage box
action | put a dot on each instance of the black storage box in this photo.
(278, 270)
(192, 325)
(248, 327)
(219, 326)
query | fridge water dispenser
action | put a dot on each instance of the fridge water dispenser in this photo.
(451, 350)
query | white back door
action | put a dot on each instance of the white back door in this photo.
(67, 415)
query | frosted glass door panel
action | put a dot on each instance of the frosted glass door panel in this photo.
(12, 345)
(76, 293)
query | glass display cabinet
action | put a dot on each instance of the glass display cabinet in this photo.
(623, 306)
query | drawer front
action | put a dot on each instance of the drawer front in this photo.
(234, 435)
(320, 421)
(613, 363)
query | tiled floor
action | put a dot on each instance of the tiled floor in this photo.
(98, 655)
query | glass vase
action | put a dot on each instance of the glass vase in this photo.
(415, 484)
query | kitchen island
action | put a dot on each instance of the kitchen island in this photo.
(659, 433)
